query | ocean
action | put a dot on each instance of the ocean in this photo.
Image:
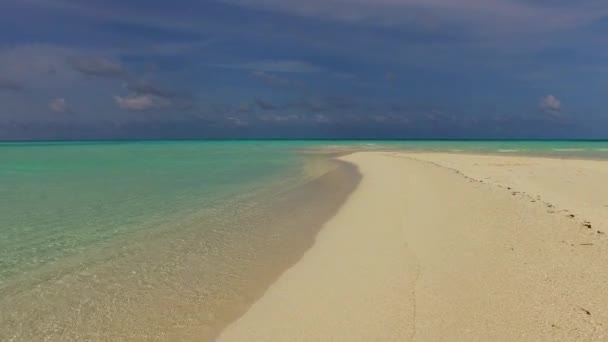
(171, 240)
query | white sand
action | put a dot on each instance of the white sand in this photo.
(579, 186)
(420, 252)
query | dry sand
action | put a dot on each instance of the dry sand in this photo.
(435, 247)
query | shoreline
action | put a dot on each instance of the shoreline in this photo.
(491, 266)
(305, 223)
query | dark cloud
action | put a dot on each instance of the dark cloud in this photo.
(146, 87)
(484, 15)
(270, 79)
(390, 76)
(7, 84)
(508, 16)
(265, 105)
(99, 67)
(289, 66)
(244, 109)
(328, 103)
(192, 60)
(278, 66)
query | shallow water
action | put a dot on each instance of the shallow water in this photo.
(155, 240)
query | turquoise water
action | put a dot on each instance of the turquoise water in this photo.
(57, 199)
(169, 240)
(117, 225)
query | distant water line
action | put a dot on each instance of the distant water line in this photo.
(576, 149)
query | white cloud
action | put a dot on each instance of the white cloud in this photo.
(58, 105)
(140, 103)
(550, 103)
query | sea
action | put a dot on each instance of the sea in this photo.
(172, 240)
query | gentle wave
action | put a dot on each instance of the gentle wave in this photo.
(569, 149)
(507, 150)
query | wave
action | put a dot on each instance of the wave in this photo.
(568, 149)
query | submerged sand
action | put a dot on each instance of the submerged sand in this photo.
(449, 247)
(183, 281)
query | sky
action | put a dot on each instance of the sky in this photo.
(183, 69)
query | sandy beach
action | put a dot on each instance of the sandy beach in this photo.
(450, 247)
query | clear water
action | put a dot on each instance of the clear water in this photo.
(57, 199)
(169, 240)
(96, 236)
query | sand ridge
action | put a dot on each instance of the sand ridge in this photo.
(426, 250)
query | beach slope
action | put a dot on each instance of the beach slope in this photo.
(424, 251)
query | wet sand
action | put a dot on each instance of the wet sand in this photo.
(449, 247)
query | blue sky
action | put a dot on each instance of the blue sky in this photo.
(74, 69)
